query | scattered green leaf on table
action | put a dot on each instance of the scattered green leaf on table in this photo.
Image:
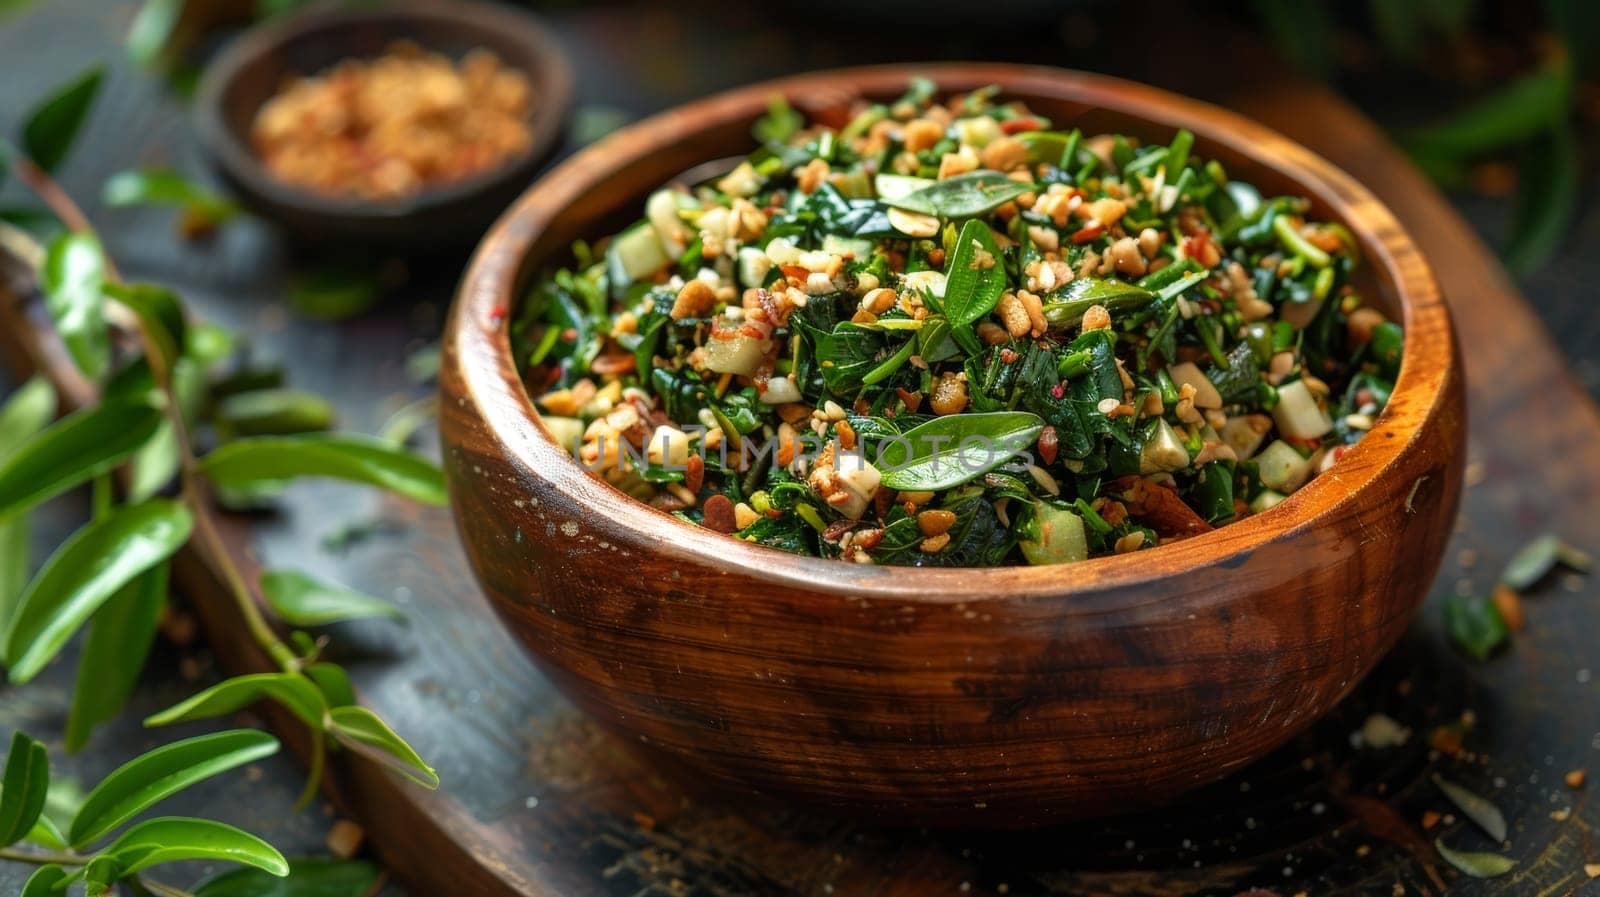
(1475, 625)
(360, 730)
(1479, 809)
(160, 315)
(309, 877)
(1534, 561)
(172, 839)
(948, 451)
(359, 459)
(293, 691)
(90, 567)
(23, 790)
(73, 282)
(48, 133)
(303, 601)
(120, 637)
(146, 780)
(164, 187)
(46, 881)
(1477, 865)
(963, 196)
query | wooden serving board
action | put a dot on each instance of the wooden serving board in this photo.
(536, 801)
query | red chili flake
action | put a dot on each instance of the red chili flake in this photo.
(1059, 391)
(1091, 232)
(1048, 443)
(694, 473)
(795, 271)
(1020, 123)
(1008, 356)
(497, 314)
(718, 514)
(570, 334)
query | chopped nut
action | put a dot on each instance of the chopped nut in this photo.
(1131, 542)
(1096, 318)
(952, 164)
(913, 224)
(695, 300)
(744, 515)
(933, 522)
(1014, 315)
(949, 394)
(1004, 154)
(921, 134)
(879, 300)
(1150, 242)
(1035, 309)
(1125, 257)
(935, 544)
(1576, 778)
(811, 176)
(992, 334)
(345, 839)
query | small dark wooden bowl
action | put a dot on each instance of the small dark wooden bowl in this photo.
(972, 698)
(252, 69)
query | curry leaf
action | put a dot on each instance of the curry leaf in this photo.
(49, 131)
(72, 450)
(963, 196)
(294, 692)
(1548, 187)
(151, 28)
(274, 412)
(1534, 561)
(174, 838)
(22, 794)
(1475, 625)
(977, 275)
(119, 640)
(359, 459)
(73, 281)
(146, 780)
(780, 123)
(309, 877)
(1479, 809)
(303, 601)
(46, 881)
(164, 187)
(948, 451)
(1520, 111)
(360, 730)
(333, 682)
(84, 573)
(160, 316)
(1477, 865)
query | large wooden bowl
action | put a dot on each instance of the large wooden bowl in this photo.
(973, 698)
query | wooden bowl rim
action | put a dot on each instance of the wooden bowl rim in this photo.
(477, 350)
(552, 79)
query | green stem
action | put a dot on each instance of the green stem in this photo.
(102, 495)
(319, 756)
(43, 859)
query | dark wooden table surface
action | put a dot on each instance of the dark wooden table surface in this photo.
(638, 59)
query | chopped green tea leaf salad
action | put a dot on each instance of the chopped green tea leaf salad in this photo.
(950, 333)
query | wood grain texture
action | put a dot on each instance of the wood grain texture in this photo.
(253, 68)
(970, 698)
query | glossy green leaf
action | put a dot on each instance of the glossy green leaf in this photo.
(26, 411)
(1518, 112)
(73, 281)
(963, 196)
(274, 412)
(160, 314)
(48, 133)
(976, 275)
(293, 691)
(120, 637)
(45, 833)
(950, 450)
(84, 573)
(309, 877)
(72, 450)
(46, 881)
(1475, 625)
(1066, 307)
(164, 187)
(23, 790)
(146, 780)
(359, 459)
(303, 601)
(1477, 865)
(1479, 809)
(360, 730)
(333, 682)
(16, 542)
(172, 839)
(152, 27)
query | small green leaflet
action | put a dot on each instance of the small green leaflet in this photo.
(47, 881)
(1534, 561)
(780, 123)
(120, 636)
(51, 127)
(23, 790)
(948, 451)
(360, 730)
(976, 275)
(164, 187)
(309, 877)
(152, 26)
(963, 196)
(160, 316)
(89, 568)
(303, 601)
(73, 281)
(1479, 809)
(146, 780)
(1477, 865)
(173, 839)
(361, 459)
(293, 691)
(1475, 625)
(28, 410)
